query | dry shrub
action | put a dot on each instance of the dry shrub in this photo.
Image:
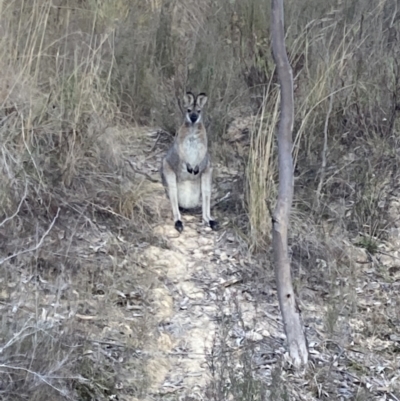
(64, 163)
(25, 365)
(358, 69)
(261, 173)
(58, 104)
(190, 46)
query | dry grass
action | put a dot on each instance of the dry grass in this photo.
(261, 171)
(65, 169)
(80, 77)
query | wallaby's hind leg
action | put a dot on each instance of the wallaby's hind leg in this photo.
(206, 179)
(170, 179)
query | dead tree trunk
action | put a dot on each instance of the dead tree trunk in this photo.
(296, 339)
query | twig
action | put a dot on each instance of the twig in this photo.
(107, 343)
(325, 149)
(141, 172)
(28, 150)
(18, 209)
(226, 196)
(387, 254)
(155, 143)
(37, 246)
(393, 396)
(46, 379)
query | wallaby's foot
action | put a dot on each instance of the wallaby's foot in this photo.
(214, 225)
(196, 170)
(179, 226)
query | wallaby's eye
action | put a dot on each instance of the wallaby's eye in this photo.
(198, 111)
(189, 110)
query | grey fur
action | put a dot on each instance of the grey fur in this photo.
(186, 168)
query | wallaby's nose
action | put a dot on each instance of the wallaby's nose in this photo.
(194, 117)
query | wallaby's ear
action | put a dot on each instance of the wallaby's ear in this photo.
(201, 100)
(188, 100)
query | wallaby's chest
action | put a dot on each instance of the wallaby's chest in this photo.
(193, 149)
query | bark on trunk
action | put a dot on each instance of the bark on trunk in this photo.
(293, 326)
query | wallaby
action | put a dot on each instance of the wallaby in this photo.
(186, 169)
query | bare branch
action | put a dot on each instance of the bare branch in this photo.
(141, 172)
(18, 209)
(37, 246)
(325, 149)
(44, 379)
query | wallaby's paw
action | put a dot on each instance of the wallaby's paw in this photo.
(196, 170)
(214, 225)
(179, 226)
(189, 168)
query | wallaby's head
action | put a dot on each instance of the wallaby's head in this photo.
(193, 106)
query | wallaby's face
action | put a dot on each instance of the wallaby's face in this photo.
(194, 106)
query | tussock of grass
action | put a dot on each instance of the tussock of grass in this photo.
(260, 174)
(64, 153)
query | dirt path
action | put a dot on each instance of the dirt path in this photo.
(199, 276)
(185, 312)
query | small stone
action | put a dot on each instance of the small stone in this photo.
(265, 333)
(204, 241)
(254, 336)
(198, 255)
